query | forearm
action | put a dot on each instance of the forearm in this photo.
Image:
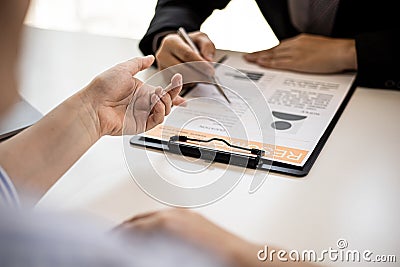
(37, 157)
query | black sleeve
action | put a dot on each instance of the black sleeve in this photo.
(172, 14)
(378, 56)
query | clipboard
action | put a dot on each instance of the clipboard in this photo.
(249, 161)
(300, 168)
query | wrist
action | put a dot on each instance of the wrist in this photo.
(348, 54)
(87, 115)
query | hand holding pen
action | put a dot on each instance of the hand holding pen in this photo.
(212, 78)
(174, 50)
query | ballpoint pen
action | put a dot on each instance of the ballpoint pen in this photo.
(187, 89)
(186, 38)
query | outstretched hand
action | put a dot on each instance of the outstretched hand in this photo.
(99, 109)
(116, 93)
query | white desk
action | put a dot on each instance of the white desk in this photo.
(352, 192)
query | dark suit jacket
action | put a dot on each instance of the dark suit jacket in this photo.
(373, 24)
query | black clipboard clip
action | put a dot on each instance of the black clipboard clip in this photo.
(178, 144)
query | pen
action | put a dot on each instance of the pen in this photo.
(188, 89)
(221, 60)
(185, 37)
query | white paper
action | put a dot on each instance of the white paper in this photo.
(301, 106)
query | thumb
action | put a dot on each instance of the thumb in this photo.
(206, 46)
(138, 64)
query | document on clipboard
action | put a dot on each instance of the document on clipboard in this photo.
(304, 109)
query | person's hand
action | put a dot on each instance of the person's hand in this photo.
(309, 53)
(115, 94)
(173, 50)
(196, 229)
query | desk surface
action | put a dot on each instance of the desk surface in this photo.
(352, 192)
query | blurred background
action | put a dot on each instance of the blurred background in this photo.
(239, 27)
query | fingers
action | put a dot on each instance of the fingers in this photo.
(141, 216)
(138, 64)
(279, 57)
(205, 45)
(147, 223)
(185, 54)
(173, 49)
(171, 92)
(140, 222)
(175, 87)
(166, 59)
(162, 101)
(178, 101)
(158, 111)
(274, 58)
(167, 102)
(280, 63)
(160, 220)
(276, 52)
